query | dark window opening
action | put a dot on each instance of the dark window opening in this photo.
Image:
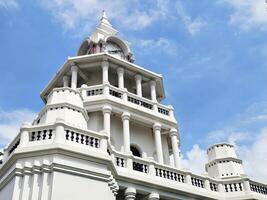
(135, 151)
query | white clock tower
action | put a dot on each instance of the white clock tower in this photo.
(104, 134)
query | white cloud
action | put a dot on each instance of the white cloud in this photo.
(8, 4)
(195, 160)
(10, 122)
(162, 45)
(193, 26)
(248, 13)
(81, 15)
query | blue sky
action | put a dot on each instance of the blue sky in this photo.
(212, 54)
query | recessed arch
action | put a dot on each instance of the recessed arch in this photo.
(135, 150)
(125, 48)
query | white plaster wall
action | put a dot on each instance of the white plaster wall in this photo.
(165, 149)
(70, 187)
(143, 138)
(221, 152)
(66, 96)
(130, 84)
(95, 77)
(95, 122)
(70, 116)
(6, 193)
(113, 78)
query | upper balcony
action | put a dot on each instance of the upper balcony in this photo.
(102, 68)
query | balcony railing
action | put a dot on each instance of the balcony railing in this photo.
(97, 141)
(127, 97)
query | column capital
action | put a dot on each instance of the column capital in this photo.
(74, 67)
(107, 109)
(60, 121)
(156, 126)
(130, 193)
(138, 77)
(66, 78)
(125, 116)
(152, 83)
(120, 70)
(173, 132)
(153, 196)
(104, 64)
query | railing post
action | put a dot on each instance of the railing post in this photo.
(104, 142)
(106, 89)
(24, 137)
(60, 132)
(171, 111)
(207, 183)
(83, 91)
(124, 95)
(129, 162)
(246, 185)
(188, 178)
(220, 188)
(155, 107)
(151, 169)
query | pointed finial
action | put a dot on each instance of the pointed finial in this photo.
(104, 18)
(104, 15)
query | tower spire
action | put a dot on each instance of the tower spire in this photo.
(104, 18)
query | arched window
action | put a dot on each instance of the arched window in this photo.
(135, 151)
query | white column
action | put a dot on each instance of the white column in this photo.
(24, 137)
(106, 122)
(60, 132)
(130, 193)
(175, 148)
(17, 186)
(45, 184)
(153, 196)
(105, 66)
(35, 186)
(138, 80)
(158, 143)
(66, 81)
(26, 184)
(153, 93)
(120, 72)
(74, 74)
(126, 131)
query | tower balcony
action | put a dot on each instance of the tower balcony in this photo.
(61, 137)
(128, 100)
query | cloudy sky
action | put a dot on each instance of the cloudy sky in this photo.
(212, 54)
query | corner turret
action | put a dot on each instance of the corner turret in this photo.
(223, 162)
